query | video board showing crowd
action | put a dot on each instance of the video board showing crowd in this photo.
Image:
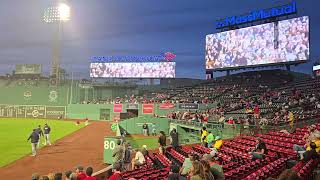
(284, 41)
(133, 70)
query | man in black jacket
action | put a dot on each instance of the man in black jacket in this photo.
(46, 130)
(34, 136)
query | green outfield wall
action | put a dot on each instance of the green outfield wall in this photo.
(111, 112)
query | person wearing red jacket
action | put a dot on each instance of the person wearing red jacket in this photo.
(89, 172)
(80, 174)
(116, 173)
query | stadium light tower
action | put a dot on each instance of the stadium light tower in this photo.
(56, 15)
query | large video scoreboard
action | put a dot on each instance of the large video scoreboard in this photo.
(270, 43)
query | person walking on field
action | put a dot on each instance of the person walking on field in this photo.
(46, 130)
(145, 129)
(34, 136)
(40, 133)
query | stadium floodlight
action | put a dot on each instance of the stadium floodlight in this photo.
(57, 13)
(64, 11)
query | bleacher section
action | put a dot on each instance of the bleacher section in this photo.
(237, 163)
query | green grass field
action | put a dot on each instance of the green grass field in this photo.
(14, 133)
(152, 143)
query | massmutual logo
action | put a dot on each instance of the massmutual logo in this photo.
(258, 15)
(167, 56)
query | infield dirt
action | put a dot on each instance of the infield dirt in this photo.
(83, 147)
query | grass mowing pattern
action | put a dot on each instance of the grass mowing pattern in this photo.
(14, 133)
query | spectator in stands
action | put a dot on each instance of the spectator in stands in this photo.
(58, 176)
(222, 120)
(35, 176)
(256, 111)
(145, 129)
(218, 143)
(231, 121)
(174, 173)
(67, 174)
(310, 154)
(187, 164)
(260, 150)
(144, 150)
(215, 167)
(291, 119)
(80, 174)
(204, 135)
(73, 176)
(288, 174)
(196, 171)
(174, 138)
(89, 172)
(313, 136)
(45, 178)
(117, 154)
(51, 176)
(162, 141)
(210, 139)
(127, 156)
(206, 169)
(138, 160)
(116, 173)
(313, 132)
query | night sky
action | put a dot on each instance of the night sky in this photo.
(129, 27)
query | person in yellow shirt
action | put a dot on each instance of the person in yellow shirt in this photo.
(291, 119)
(302, 150)
(217, 145)
(204, 137)
(317, 143)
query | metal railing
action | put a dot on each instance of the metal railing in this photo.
(228, 131)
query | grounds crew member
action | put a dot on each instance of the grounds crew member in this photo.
(145, 129)
(46, 130)
(34, 136)
(40, 133)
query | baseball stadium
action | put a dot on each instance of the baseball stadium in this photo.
(77, 108)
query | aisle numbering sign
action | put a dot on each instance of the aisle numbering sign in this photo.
(109, 143)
